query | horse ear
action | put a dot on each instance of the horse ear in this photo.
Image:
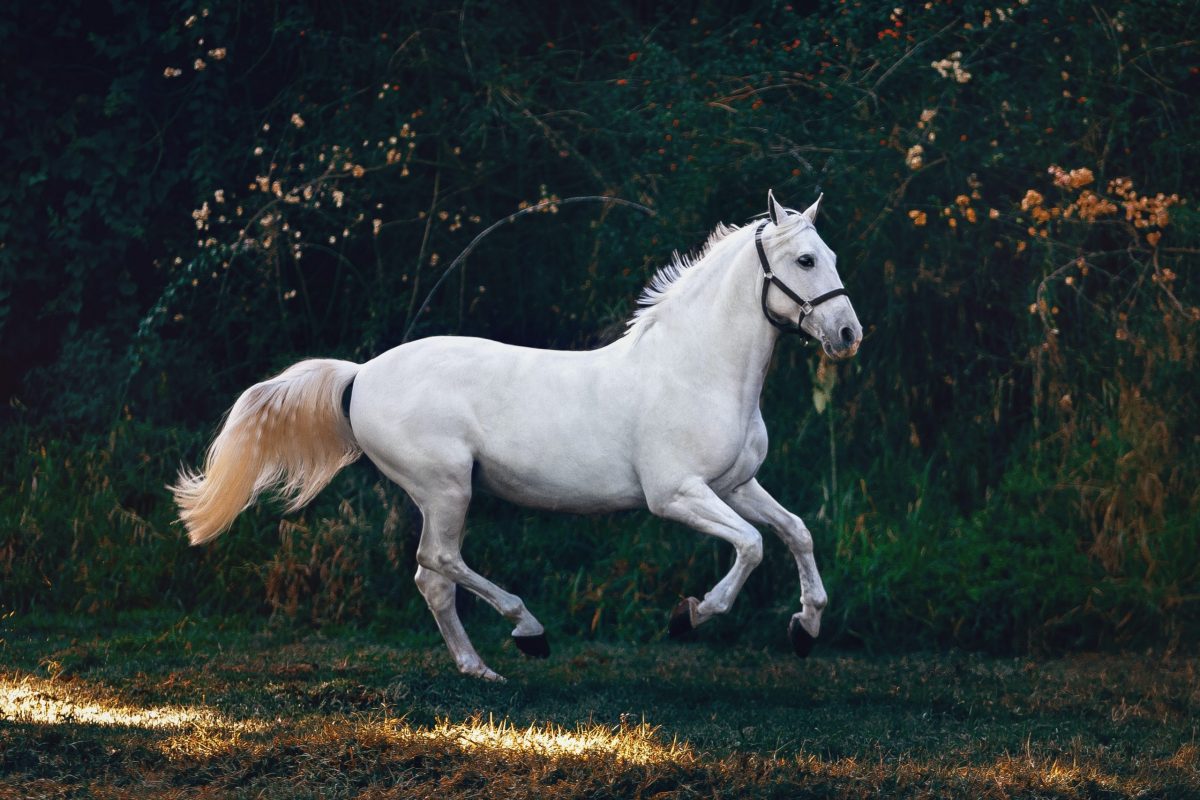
(811, 211)
(774, 210)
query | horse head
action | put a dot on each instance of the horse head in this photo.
(811, 298)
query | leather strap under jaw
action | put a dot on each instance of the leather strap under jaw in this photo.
(769, 279)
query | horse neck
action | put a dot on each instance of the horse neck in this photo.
(717, 330)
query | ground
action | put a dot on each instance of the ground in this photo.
(152, 706)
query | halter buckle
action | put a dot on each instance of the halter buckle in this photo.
(806, 308)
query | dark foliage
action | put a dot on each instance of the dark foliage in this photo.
(202, 194)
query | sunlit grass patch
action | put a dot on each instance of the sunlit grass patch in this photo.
(185, 730)
(636, 744)
(45, 702)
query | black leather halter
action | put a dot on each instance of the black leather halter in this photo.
(769, 279)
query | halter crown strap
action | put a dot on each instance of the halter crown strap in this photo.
(769, 279)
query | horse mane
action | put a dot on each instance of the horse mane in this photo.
(667, 277)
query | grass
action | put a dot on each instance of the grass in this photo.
(147, 705)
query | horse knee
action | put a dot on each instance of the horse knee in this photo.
(512, 607)
(751, 550)
(802, 541)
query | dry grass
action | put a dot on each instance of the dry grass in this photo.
(190, 711)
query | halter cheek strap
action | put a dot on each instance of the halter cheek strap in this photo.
(769, 279)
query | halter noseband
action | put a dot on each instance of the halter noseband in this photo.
(806, 306)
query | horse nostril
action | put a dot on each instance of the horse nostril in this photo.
(847, 336)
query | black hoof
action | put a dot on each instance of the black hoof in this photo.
(802, 640)
(681, 618)
(533, 646)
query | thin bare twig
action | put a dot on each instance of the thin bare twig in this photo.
(529, 210)
(462, 40)
(437, 182)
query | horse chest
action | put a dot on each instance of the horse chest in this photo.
(745, 462)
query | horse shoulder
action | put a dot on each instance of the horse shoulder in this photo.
(757, 439)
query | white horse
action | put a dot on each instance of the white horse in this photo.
(666, 417)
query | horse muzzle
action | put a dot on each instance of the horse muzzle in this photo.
(843, 340)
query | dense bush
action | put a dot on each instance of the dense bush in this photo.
(204, 194)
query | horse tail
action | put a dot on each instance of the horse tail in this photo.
(290, 432)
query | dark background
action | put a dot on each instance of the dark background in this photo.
(199, 195)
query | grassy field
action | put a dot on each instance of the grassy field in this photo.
(170, 707)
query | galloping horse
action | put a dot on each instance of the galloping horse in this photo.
(667, 418)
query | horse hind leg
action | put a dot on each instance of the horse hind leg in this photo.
(438, 592)
(440, 553)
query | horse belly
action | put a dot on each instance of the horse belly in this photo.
(534, 489)
(579, 471)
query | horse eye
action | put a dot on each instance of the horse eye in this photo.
(806, 261)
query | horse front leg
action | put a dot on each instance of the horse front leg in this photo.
(697, 506)
(753, 502)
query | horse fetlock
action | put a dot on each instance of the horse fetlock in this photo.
(711, 606)
(816, 601)
(512, 608)
(477, 669)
